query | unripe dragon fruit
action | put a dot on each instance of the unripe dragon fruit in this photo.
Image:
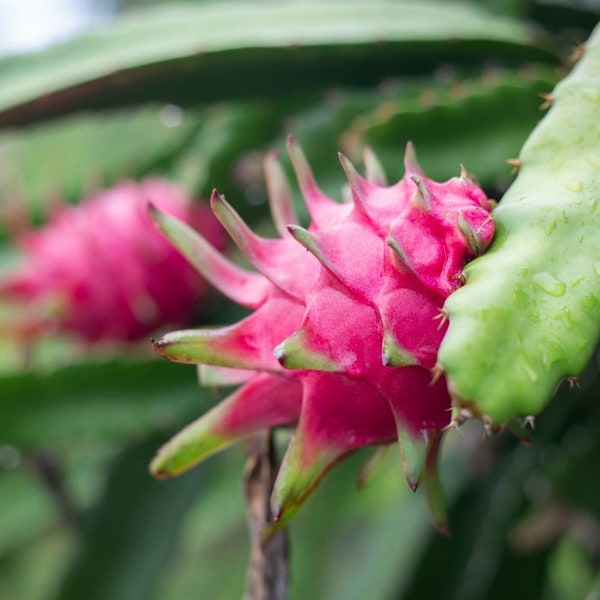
(346, 325)
(102, 271)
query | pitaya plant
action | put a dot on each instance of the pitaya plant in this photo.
(346, 325)
(99, 270)
(195, 94)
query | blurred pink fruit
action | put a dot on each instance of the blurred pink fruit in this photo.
(102, 271)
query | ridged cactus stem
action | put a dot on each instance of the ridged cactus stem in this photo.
(529, 315)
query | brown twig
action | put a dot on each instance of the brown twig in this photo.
(267, 575)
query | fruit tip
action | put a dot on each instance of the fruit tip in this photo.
(271, 155)
(411, 166)
(413, 486)
(349, 169)
(443, 529)
(423, 195)
(375, 173)
(216, 197)
(159, 346)
(157, 471)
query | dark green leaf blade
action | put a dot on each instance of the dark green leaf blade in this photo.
(203, 52)
(96, 401)
(131, 533)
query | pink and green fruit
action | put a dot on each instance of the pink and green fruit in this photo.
(347, 320)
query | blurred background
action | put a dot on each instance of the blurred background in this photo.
(193, 94)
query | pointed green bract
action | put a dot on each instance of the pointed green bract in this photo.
(296, 353)
(209, 376)
(281, 202)
(310, 242)
(399, 254)
(394, 355)
(413, 451)
(187, 448)
(529, 315)
(433, 487)
(375, 172)
(303, 467)
(422, 196)
(470, 235)
(244, 287)
(265, 401)
(220, 347)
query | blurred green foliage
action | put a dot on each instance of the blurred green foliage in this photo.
(198, 92)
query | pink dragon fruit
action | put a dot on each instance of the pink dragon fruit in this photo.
(102, 271)
(346, 325)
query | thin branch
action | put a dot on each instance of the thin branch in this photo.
(267, 575)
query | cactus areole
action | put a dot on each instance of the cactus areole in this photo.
(346, 326)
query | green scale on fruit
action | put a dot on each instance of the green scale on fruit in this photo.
(529, 315)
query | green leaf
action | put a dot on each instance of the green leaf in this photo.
(108, 400)
(129, 536)
(204, 52)
(72, 157)
(470, 563)
(25, 508)
(33, 571)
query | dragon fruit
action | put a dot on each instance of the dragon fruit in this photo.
(346, 326)
(102, 271)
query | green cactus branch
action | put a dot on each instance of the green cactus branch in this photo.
(529, 315)
(187, 53)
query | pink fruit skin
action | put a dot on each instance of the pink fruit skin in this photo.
(347, 320)
(100, 270)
